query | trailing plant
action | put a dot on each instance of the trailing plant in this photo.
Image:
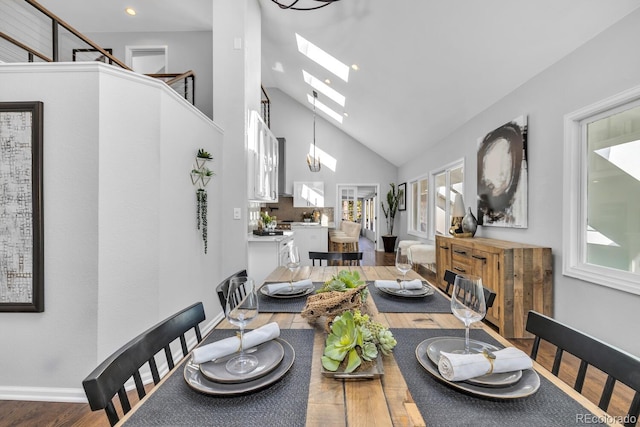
(393, 199)
(201, 195)
(200, 177)
(356, 338)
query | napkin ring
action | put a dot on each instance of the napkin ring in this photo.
(490, 357)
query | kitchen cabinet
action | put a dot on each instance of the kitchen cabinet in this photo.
(262, 161)
(265, 254)
(313, 238)
(520, 275)
(308, 194)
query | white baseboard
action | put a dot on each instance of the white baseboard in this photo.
(76, 395)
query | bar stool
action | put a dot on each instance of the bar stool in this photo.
(347, 242)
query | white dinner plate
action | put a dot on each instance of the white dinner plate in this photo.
(287, 293)
(453, 344)
(202, 384)
(528, 384)
(269, 355)
(425, 291)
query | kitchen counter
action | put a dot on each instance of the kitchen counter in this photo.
(267, 239)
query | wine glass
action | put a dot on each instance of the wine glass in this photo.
(467, 302)
(292, 260)
(403, 264)
(241, 308)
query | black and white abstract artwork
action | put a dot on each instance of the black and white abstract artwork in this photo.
(503, 175)
(21, 287)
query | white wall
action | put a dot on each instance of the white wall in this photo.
(602, 67)
(121, 247)
(186, 50)
(356, 164)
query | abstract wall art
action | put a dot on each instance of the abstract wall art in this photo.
(21, 217)
(503, 175)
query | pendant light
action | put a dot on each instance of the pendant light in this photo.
(314, 161)
(304, 5)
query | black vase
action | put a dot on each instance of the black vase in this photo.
(469, 223)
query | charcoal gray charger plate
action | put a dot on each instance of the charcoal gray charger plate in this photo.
(197, 381)
(528, 384)
(269, 355)
(425, 291)
(453, 344)
(287, 293)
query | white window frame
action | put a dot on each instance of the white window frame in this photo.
(432, 193)
(411, 231)
(575, 195)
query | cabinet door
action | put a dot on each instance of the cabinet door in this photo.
(262, 161)
(485, 265)
(443, 260)
(308, 194)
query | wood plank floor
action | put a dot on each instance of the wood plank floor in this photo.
(50, 414)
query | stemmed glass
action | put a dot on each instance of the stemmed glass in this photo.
(241, 308)
(403, 264)
(467, 302)
(292, 260)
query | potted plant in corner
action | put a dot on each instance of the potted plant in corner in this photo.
(393, 198)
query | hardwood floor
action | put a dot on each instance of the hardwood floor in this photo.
(48, 414)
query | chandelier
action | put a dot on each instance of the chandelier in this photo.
(314, 161)
(313, 6)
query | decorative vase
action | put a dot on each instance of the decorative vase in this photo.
(469, 223)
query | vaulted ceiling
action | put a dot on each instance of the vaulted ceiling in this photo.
(425, 66)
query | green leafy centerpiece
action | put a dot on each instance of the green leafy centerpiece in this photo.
(344, 291)
(355, 341)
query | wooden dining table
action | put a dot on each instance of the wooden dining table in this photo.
(403, 396)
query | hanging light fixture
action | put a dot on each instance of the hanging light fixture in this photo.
(314, 161)
(315, 4)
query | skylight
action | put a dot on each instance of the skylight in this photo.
(320, 86)
(625, 156)
(322, 107)
(318, 55)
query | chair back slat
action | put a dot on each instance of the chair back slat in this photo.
(223, 287)
(616, 363)
(634, 411)
(352, 257)
(109, 377)
(139, 384)
(450, 278)
(169, 356)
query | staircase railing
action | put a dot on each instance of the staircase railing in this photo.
(265, 102)
(64, 43)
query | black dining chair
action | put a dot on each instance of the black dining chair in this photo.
(616, 363)
(489, 295)
(350, 258)
(223, 287)
(109, 378)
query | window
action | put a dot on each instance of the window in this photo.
(418, 198)
(430, 206)
(602, 193)
(447, 183)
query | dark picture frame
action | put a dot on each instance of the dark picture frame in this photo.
(402, 203)
(21, 229)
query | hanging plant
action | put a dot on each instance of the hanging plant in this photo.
(200, 177)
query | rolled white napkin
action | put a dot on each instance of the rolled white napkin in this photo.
(231, 345)
(460, 367)
(276, 288)
(393, 284)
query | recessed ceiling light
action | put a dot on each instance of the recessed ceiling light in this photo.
(130, 11)
(346, 114)
(355, 67)
(327, 81)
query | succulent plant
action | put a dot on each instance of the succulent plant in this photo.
(204, 154)
(344, 281)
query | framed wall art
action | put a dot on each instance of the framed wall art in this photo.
(503, 176)
(402, 203)
(21, 216)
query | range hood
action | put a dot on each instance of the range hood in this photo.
(282, 168)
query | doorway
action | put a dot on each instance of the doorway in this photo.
(359, 203)
(147, 59)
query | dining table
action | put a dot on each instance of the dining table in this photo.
(404, 394)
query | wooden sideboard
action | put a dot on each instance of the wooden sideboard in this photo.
(520, 274)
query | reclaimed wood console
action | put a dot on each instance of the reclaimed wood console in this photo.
(520, 274)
